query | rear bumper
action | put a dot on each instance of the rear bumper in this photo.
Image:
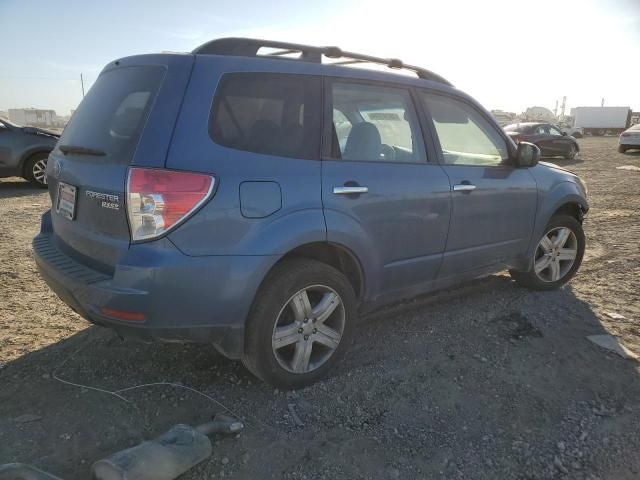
(630, 142)
(182, 298)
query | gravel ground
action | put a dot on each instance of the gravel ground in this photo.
(484, 381)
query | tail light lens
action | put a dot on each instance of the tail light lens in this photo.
(158, 200)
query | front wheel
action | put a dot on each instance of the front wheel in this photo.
(557, 256)
(300, 325)
(572, 152)
(622, 149)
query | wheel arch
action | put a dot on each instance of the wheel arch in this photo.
(27, 155)
(335, 255)
(564, 198)
(572, 208)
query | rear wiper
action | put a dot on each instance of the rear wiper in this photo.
(80, 150)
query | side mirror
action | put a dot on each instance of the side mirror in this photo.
(527, 155)
(564, 134)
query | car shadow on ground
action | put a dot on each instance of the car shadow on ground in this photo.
(17, 187)
(487, 365)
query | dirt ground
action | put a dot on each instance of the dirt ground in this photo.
(486, 381)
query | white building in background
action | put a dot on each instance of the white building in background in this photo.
(4, 114)
(503, 118)
(33, 116)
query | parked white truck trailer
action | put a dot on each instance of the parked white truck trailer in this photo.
(601, 120)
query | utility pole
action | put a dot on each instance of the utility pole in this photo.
(602, 104)
(82, 84)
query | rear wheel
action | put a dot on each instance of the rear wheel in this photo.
(35, 169)
(300, 325)
(557, 256)
(622, 149)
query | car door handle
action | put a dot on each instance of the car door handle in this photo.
(350, 190)
(463, 187)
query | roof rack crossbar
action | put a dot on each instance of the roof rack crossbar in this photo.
(249, 47)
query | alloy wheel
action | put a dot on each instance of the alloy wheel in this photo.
(308, 329)
(40, 171)
(555, 254)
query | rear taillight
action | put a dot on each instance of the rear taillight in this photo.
(158, 200)
(625, 134)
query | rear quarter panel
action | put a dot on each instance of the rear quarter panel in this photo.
(220, 227)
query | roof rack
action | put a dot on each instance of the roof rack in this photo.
(249, 47)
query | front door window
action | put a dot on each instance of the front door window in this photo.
(374, 124)
(466, 138)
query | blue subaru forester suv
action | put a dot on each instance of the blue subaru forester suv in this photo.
(257, 196)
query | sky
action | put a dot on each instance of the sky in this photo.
(509, 54)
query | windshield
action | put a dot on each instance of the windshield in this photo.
(112, 115)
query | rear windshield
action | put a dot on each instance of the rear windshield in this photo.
(112, 115)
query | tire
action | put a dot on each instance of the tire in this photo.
(572, 152)
(545, 279)
(34, 169)
(280, 301)
(622, 149)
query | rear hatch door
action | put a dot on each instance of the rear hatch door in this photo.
(127, 118)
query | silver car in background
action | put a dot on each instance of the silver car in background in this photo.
(24, 152)
(629, 139)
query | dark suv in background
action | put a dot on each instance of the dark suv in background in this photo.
(551, 141)
(24, 152)
(259, 203)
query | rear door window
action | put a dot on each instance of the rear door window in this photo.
(113, 113)
(270, 114)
